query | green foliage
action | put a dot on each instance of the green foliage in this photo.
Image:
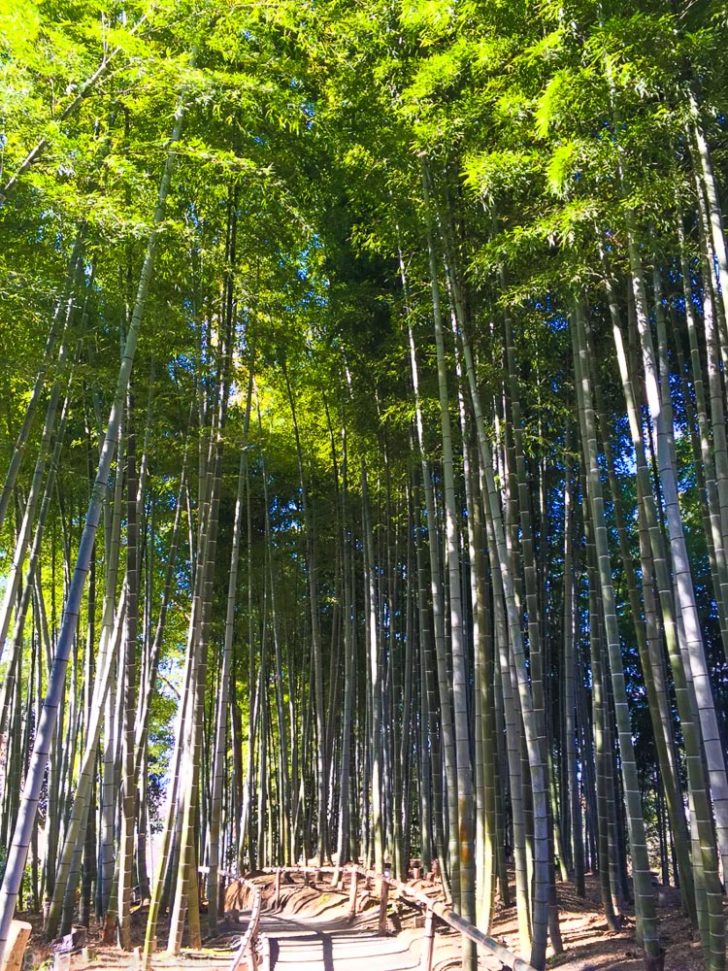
(546, 129)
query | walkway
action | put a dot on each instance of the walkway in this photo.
(317, 944)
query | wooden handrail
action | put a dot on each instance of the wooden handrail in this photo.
(433, 910)
(507, 958)
(249, 940)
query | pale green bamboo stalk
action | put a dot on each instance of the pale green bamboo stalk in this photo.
(76, 826)
(222, 704)
(657, 394)
(12, 581)
(643, 891)
(534, 731)
(705, 860)
(60, 318)
(41, 749)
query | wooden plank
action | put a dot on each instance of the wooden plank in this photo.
(15, 947)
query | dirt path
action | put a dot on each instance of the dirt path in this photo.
(334, 945)
(318, 944)
(310, 930)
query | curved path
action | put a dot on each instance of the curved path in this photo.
(317, 944)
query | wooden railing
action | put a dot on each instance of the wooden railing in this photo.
(248, 947)
(433, 910)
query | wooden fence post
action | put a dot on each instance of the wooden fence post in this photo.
(221, 888)
(265, 954)
(352, 892)
(252, 949)
(429, 945)
(383, 897)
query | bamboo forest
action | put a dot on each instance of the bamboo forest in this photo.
(364, 483)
